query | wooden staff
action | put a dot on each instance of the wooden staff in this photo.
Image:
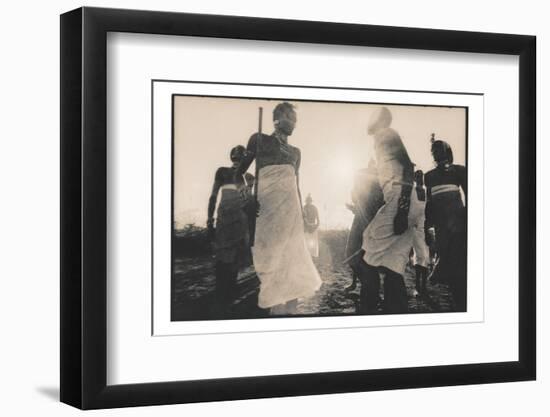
(256, 204)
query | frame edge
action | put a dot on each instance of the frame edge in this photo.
(527, 273)
(83, 213)
(70, 215)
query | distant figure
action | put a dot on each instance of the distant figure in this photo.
(367, 198)
(230, 234)
(446, 213)
(311, 224)
(388, 238)
(281, 259)
(420, 247)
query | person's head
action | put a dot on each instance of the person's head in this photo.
(380, 119)
(284, 118)
(309, 200)
(442, 152)
(419, 177)
(237, 153)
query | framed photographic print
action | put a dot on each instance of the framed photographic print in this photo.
(243, 199)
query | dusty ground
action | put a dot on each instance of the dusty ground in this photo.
(194, 283)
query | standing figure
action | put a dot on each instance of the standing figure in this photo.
(230, 235)
(446, 213)
(311, 224)
(367, 198)
(420, 247)
(388, 238)
(281, 259)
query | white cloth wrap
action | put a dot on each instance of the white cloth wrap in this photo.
(312, 242)
(281, 258)
(381, 245)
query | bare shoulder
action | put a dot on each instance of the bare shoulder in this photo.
(254, 137)
(221, 173)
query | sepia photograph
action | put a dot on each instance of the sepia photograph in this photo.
(333, 207)
(297, 208)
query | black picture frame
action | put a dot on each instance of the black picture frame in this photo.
(84, 207)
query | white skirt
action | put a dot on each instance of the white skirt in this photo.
(312, 242)
(381, 245)
(281, 257)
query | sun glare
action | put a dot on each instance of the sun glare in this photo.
(342, 168)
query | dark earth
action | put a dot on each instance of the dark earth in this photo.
(193, 283)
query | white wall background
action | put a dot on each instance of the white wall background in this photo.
(29, 212)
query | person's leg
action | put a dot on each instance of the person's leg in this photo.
(231, 291)
(355, 265)
(395, 292)
(277, 310)
(458, 272)
(219, 290)
(291, 306)
(422, 259)
(226, 283)
(424, 279)
(458, 289)
(370, 287)
(420, 282)
(418, 279)
(284, 309)
(354, 279)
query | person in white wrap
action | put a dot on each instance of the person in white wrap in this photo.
(280, 255)
(388, 238)
(311, 225)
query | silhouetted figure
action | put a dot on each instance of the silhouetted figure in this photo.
(230, 236)
(446, 213)
(367, 198)
(388, 238)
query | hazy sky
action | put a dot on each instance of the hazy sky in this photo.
(332, 138)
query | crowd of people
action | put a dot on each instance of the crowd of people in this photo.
(397, 211)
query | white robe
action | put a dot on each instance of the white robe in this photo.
(281, 257)
(312, 242)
